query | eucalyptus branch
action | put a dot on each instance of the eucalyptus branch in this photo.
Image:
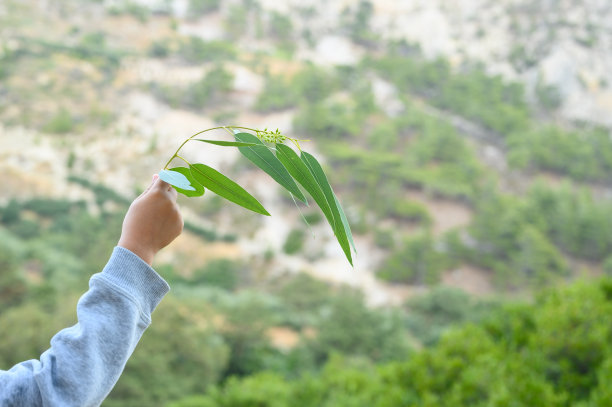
(282, 163)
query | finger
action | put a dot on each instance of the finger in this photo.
(161, 185)
(167, 189)
(155, 177)
(173, 193)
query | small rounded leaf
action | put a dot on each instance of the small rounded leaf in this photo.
(176, 179)
(199, 189)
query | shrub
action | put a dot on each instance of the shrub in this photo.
(236, 21)
(210, 88)
(295, 241)
(206, 234)
(384, 136)
(350, 328)
(580, 154)
(48, 207)
(281, 27)
(196, 50)
(536, 260)
(26, 229)
(102, 192)
(607, 266)
(201, 7)
(384, 239)
(313, 84)
(432, 314)
(13, 287)
(335, 121)
(494, 103)
(159, 49)
(548, 96)
(222, 273)
(276, 95)
(62, 122)
(182, 347)
(11, 213)
(410, 211)
(281, 30)
(140, 13)
(359, 25)
(313, 218)
(417, 261)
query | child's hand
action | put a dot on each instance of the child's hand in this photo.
(152, 221)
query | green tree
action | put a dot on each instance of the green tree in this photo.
(62, 122)
(222, 273)
(536, 259)
(573, 336)
(13, 287)
(247, 319)
(196, 50)
(313, 84)
(417, 261)
(201, 7)
(211, 88)
(276, 95)
(432, 314)
(350, 328)
(295, 241)
(179, 354)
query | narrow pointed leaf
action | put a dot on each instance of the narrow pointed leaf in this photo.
(321, 179)
(261, 156)
(226, 143)
(298, 169)
(225, 187)
(199, 189)
(345, 222)
(176, 179)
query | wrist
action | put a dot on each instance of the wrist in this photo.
(145, 253)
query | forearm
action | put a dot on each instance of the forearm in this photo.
(86, 360)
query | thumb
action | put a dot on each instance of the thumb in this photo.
(155, 178)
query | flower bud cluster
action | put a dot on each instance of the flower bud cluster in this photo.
(270, 136)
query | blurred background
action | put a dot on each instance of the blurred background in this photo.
(469, 143)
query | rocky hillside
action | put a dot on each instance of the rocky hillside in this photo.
(106, 90)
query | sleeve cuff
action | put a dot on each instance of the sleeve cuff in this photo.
(135, 278)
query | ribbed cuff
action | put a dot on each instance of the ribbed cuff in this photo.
(136, 278)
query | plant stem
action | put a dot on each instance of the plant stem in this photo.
(175, 155)
(187, 162)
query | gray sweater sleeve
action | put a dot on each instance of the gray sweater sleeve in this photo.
(85, 361)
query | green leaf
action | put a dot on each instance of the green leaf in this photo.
(261, 156)
(176, 179)
(225, 143)
(338, 226)
(345, 222)
(199, 189)
(298, 169)
(225, 187)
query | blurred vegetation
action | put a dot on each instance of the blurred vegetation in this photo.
(198, 8)
(470, 92)
(196, 50)
(211, 90)
(277, 94)
(357, 23)
(295, 241)
(229, 334)
(416, 261)
(523, 238)
(554, 352)
(582, 154)
(61, 122)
